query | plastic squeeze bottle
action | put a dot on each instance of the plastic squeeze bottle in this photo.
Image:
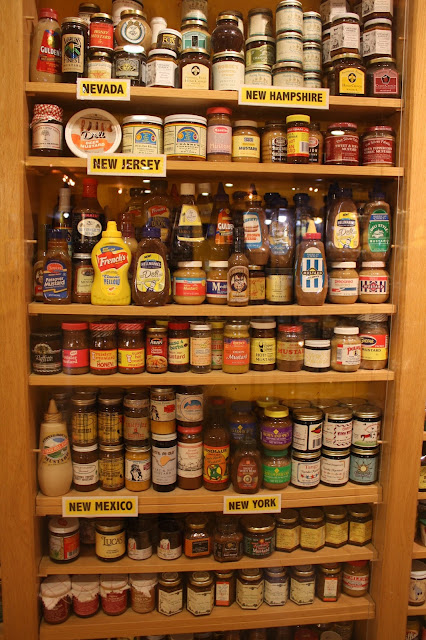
(54, 460)
(111, 259)
(311, 281)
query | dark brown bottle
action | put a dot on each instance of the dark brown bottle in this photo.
(151, 276)
(216, 448)
(88, 219)
(247, 472)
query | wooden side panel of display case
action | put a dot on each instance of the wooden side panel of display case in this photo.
(405, 401)
(18, 531)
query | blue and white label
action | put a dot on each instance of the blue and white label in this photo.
(217, 289)
(55, 280)
(312, 271)
(252, 231)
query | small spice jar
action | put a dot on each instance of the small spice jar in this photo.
(374, 285)
(245, 141)
(163, 410)
(263, 345)
(195, 69)
(200, 593)
(64, 539)
(374, 336)
(169, 543)
(290, 348)
(225, 588)
(356, 578)
(197, 538)
(312, 529)
(257, 284)
(82, 278)
(162, 69)
(170, 594)
(342, 144)
(287, 74)
(287, 533)
(114, 594)
(329, 582)
(164, 462)
(364, 465)
(367, 424)
(276, 469)
(307, 429)
(276, 586)
(55, 594)
(302, 584)
(279, 285)
(228, 71)
(136, 421)
(383, 79)
(346, 349)
(258, 75)
(111, 467)
(137, 469)
(360, 524)
(85, 595)
(417, 589)
(131, 347)
(312, 27)
(110, 539)
(219, 135)
(343, 283)
(139, 538)
(335, 467)
(156, 350)
(337, 428)
(142, 591)
(75, 348)
(346, 75)
(298, 139)
(227, 540)
(178, 347)
(250, 588)
(289, 16)
(47, 130)
(336, 526)
(200, 358)
(236, 347)
(110, 418)
(259, 535)
(130, 64)
(276, 428)
(103, 348)
(378, 147)
(305, 469)
(85, 468)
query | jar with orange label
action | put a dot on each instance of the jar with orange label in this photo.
(163, 410)
(290, 348)
(197, 539)
(236, 347)
(131, 347)
(298, 139)
(156, 350)
(103, 348)
(189, 283)
(137, 468)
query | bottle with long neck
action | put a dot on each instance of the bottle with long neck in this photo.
(187, 238)
(311, 269)
(39, 262)
(217, 450)
(238, 272)
(220, 229)
(88, 219)
(54, 458)
(62, 216)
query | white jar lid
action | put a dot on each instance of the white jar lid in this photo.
(159, 20)
(350, 331)
(384, 21)
(185, 117)
(263, 325)
(195, 326)
(187, 188)
(162, 52)
(99, 120)
(55, 586)
(114, 582)
(355, 16)
(418, 570)
(343, 265)
(218, 263)
(373, 264)
(173, 31)
(142, 120)
(245, 123)
(317, 343)
(195, 263)
(63, 525)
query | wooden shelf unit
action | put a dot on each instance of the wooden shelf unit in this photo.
(234, 617)
(419, 550)
(201, 500)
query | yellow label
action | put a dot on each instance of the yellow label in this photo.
(189, 216)
(120, 164)
(98, 507)
(360, 532)
(245, 147)
(262, 350)
(312, 538)
(265, 504)
(336, 533)
(346, 230)
(280, 97)
(88, 89)
(352, 81)
(131, 358)
(150, 273)
(287, 539)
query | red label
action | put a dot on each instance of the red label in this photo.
(111, 260)
(101, 35)
(114, 603)
(189, 287)
(158, 210)
(343, 149)
(85, 609)
(247, 474)
(49, 56)
(386, 83)
(236, 351)
(156, 347)
(224, 229)
(75, 358)
(103, 360)
(373, 284)
(378, 151)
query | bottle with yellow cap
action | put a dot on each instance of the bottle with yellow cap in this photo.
(111, 259)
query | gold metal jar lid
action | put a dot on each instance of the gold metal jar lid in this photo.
(337, 412)
(250, 574)
(367, 411)
(359, 510)
(332, 453)
(352, 403)
(303, 570)
(143, 449)
(336, 512)
(258, 523)
(276, 572)
(287, 516)
(324, 403)
(277, 411)
(308, 414)
(305, 455)
(169, 579)
(201, 578)
(312, 514)
(224, 574)
(109, 525)
(331, 568)
(111, 448)
(296, 404)
(196, 521)
(267, 401)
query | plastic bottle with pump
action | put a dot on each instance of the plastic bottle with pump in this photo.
(111, 259)
(54, 469)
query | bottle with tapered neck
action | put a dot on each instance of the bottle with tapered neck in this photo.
(220, 229)
(238, 272)
(62, 216)
(39, 262)
(54, 459)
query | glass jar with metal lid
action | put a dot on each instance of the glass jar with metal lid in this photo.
(101, 31)
(287, 533)
(336, 526)
(99, 64)
(329, 582)
(383, 78)
(130, 62)
(294, 404)
(374, 335)
(347, 75)
(367, 423)
(317, 356)
(260, 50)
(195, 33)
(259, 535)
(312, 80)
(250, 588)
(227, 540)
(183, 147)
(143, 589)
(364, 465)
(142, 135)
(342, 144)
(197, 538)
(170, 594)
(162, 68)
(360, 524)
(110, 539)
(352, 402)
(334, 467)
(345, 34)
(258, 75)
(307, 429)
(379, 147)
(377, 38)
(110, 418)
(289, 16)
(200, 347)
(260, 22)
(86, 10)
(262, 403)
(290, 348)
(276, 428)
(195, 69)
(84, 420)
(75, 36)
(228, 71)
(312, 529)
(276, 586)
(337, 428)
(290, 47)
(305, 469)
(382, 9)
(111, 467)
(200, 593)
(132, 28)
(169, 39)
(276, 469)
(139, 538)
(274, 144)
(245, 141)
(263, 344)
(312, 26)
(287, 74)
(298, 139)
(138, 468)
(312, 57)
(302, 584)
(85, 468)
(225, 588)
(326, 44)
(227, 35)
(64, 539)
(136, 425)
(346, 349)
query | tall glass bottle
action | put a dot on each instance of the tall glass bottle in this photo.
(135, 207)
(187, 236)
(238, 272)
(205, 204)
(62, 215)
(88, 219)
(343, 242)
(282, 240)
(304, 213)
(255, 230)
(238, 207)
(216, 467)
(220, 229)
(158, 210)
(38, 264)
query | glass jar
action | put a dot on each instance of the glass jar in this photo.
(367, 423)
(110, 539)
(287, 74)
(259, 535)
(260, 22)
(114, 594)
(360, 524)
(312, 27)
(170, 594)
(346, 349)
(312, 80)
(164, 462)
(197, 538)
(170, 39)
(274, 142)
(189, 283)
(374, 336)
(227, 540)
(219, 135)
(217, 344)
(99, 64)
(290, 348)
(178, 347)
(263, 345)
(356, 578)
(345, 34)
(378, 147)
(250, 588)
(139, 538)
(342, 144)
(46, 352)
(337, 428)
(195, 69)
(64, 539)
(289, 16)
(138, 468)
(260, 49)
(287, 533)
(276, 586)
(111, 467)
(200, 593)
(258, 75)
(347, 75)
(143, 592)
(217, 282)
(242, 422)
(101, 31)
(276, 428)
(311, 57)
(227, 35)
(156, 350)
(298, 139)
(374, 284)
(85, 468)
(85, 595)
(225, 588)
(82, 278)
(131, 347)
(329, 582)
(195, 33)
(55, 594)
(161, 70)
(302, 584)
(103, 348)
(110, 418)
(312, 529)
(74, 49)
(245, 141)
(377, 38)
(200, 347)
(336, 526)
(305, 469)
(163, 410)
(279, 285)
(417, 589)
(236, 347)
(190, 457)
(334, 467)
(383, 79)
(276, 469)
(136, 424)
(307, 429)
(316, 143)
(84, 420)
(364, 465)
(343, 283)
(169, 543)
(228, 71)
(130, 62)
(47, 130)
(290, 47)
(75, 348)
(257, 284)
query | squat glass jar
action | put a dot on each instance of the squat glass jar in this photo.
(374, 282)
(195, 69)
(336, 526)
(200, 593)
(130, 62)
(347, 75)
(245, 141)
(250, 588)
(219, 135)
(259, 535)
(383, 79)
(342, 144)
(346, 349)
(379, 147)
(329, 582)
(360, 524)
(290, 348)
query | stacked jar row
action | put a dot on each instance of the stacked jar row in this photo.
(235, 346)
(228, 538)
(201, 591)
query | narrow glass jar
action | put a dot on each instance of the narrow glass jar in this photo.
(302, 584)
(360, 524)
(84, 420)
(113, 592)
(136, 424)
(139, 538)
(75, 348)
(346, 349)
(163, 410)
(200, 593)
(276, 586)
(164, 462)
(64, 539)
(217, 344)
(225, 588)
(290, 348)
(217, 282)
(227, 540)
(329, 582)
(169, 542)
(111, 467)
(263, 345)
(257, 284)
(274, 142)
(250, 588)
(200, 347)
(298, 139)
(138, 468)
(337, 427)
(245, 141)
(131, 347)
(82, 278)
(85, 468)
(170, 594)
(260, 22)
(377, 38)
(103, 348)
(307, 429)
(345, 34)
(287, 533)
(219, 135)
(276, 469)
(236, 347)
(197, 537)
(312, 529)
(85, 595)
(178, 347)
(190, 457)
(374, 336)
(110, 418)
(47, 129)
(110, 539)
(156, 350)
(336, 526)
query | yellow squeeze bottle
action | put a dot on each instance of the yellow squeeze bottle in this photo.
(111, 259)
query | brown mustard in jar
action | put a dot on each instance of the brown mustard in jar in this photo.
(312, 529)
(263, 345)
(287, 534)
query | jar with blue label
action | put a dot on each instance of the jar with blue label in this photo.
(185, 137)
(242, 422)
(217, 282)
(189, 404)
(195, 33)
(143, 135)
(57, 269)
(364, 465)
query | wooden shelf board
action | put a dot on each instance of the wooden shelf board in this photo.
(419, 550)
(201, 500)
(212, 378)
(421, 495)
(131, 623)
(416, 611)
(1, 631)
(232, 169)
(424, 435)
(182, 310)
(89, 564)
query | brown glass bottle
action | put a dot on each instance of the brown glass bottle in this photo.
(190, 457)
(247, 470)
(238, 272)
(151, 276)
(158, 208)
(57, 269)
(216, 448)
(88, 219)
(343, 238)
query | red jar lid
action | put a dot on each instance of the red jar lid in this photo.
(219, 110)
(105, 326)
(130, 326)
(182, 429)
(178, 326)
(47, 111)
(380, 128)
(343, 125)
(290, 328)
(75, 326)
(48, 13)
(357, 563)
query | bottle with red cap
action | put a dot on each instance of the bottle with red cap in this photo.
(311, 283)
(88, 219)
(46, 61)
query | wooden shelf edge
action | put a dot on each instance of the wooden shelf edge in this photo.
(131, 623)
(424, 435)
(201, 500)
(89, 564)
(416, 611)
(181, 310)
(419, 550)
